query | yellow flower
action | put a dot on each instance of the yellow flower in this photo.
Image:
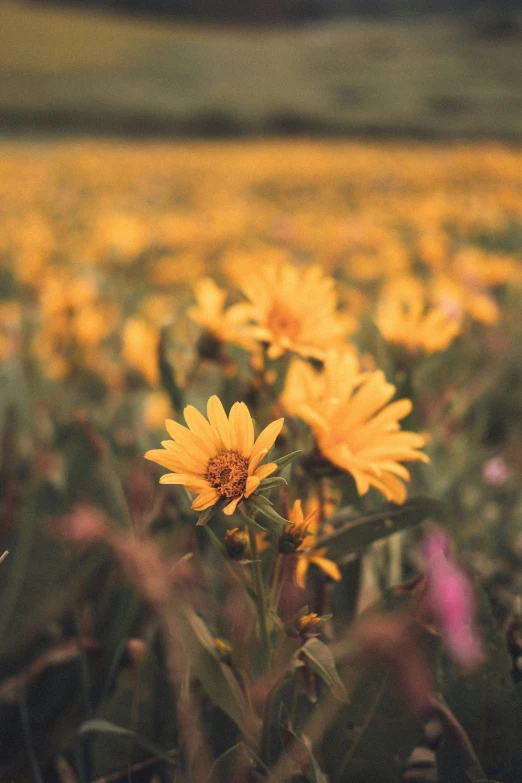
(295, 309)
(217, 458)
(404, 318)
(454, 296)
(140, 347)
(354, 426)
(209, 312)
(306, 551)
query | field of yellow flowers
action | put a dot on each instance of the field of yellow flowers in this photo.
(318, 575)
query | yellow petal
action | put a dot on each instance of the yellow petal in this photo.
(241, 429)
(205, 500)
(296, 514)
(186, 479)
(254, 462)
(200, 427)
(267, 438)
(265, 470)
(328, 566)
(301, 571)
(229, 510)
(219, 422)
(189, 441)
(252, 484)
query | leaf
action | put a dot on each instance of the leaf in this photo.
(299, 750)
(321, 660)
(235, 757)
(269, 512)
(287, 459)
(102, 726)
(216, 677)
(271, 483)
(355, 535)
(168, 376)
(206, 515)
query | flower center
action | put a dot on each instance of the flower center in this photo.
(283, 324)
(228, 472)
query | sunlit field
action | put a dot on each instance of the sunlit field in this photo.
(260, 460)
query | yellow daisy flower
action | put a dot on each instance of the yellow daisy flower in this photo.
(306, 551)
(218, 458)
(355, 426)
(295, 309)
(210, 313)
(405, 318)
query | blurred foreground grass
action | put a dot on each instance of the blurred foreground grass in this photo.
(103, 249)
(429, 77)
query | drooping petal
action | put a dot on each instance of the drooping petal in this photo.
(252, 484)
(229, 510)
(301, 570)
(328, 566)
(205, 500)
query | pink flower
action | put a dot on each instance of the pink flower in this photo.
(495, 472)
(449, 602)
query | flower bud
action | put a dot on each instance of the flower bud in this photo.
(236, 543)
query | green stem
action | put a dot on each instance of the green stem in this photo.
(260, 594)
(275, 579)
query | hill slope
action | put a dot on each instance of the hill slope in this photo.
(66, 69)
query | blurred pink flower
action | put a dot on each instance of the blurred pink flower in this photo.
(495, 471)
(449, 603)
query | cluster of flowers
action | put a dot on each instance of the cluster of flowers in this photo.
(398, 229)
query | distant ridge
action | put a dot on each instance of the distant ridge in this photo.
(66, 70)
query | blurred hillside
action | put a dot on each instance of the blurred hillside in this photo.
(72, 70)
(298, 10)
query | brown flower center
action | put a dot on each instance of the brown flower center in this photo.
(228, 472)
(283, 323)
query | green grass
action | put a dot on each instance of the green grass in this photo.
(429, 77)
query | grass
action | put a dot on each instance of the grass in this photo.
(85, 71)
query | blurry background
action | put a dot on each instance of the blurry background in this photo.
(431, 69)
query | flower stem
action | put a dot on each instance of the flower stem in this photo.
(260, 594)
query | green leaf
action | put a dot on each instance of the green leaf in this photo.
(168, 376)
(102, 726)
(235, 757)
(271, 483)
(355, 535)
(216, 677)
(321, 660)
(299, 749)
(269, 512)
(206, 515)
(287, 459)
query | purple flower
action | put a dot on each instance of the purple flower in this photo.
(449, 602)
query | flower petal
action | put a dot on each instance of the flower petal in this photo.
(328, 566)
(201, 427)
(265, 470)
(229, 510)
(219, 422)
(252, 484)
(205, 500)
(301, 570)
(241, 429)
(190, 442)
(267, 438)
